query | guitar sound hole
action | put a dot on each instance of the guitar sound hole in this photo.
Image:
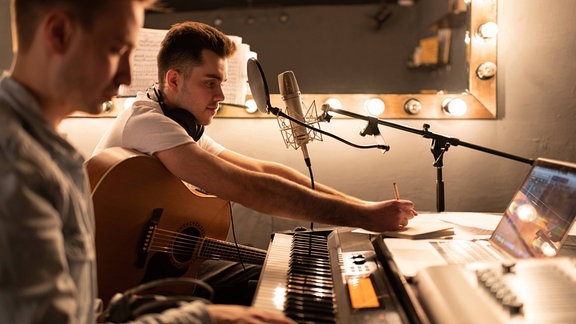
(185, 244)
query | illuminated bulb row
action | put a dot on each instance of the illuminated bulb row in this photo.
(373, 106)
(487, 32)
(454, 107)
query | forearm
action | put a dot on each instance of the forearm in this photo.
(278, 196)
(268, 167)
(297, 177)
(283, 195)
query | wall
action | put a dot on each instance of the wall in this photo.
(5, 37)
(349, 55)
(537, 114)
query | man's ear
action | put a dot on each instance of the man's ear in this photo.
(173, 80)
(58, 29)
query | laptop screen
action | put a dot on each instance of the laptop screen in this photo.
(541, 213)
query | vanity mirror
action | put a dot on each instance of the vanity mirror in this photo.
(418, 61)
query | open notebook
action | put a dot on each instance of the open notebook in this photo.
(534, 225)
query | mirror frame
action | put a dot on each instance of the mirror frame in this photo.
(480, 97)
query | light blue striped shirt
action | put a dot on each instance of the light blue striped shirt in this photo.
(47, 253)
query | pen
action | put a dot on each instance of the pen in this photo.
(396, 194)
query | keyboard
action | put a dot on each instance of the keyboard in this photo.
(461, 251)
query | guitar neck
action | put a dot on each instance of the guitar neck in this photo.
(216, 249)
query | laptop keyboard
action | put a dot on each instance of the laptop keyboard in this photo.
(569, 247)
(456, 252)
(570, 240)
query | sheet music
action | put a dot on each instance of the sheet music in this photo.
(145, 70)
(144, 66)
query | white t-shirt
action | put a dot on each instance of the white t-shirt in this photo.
(145, 128)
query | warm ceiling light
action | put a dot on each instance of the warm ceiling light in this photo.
(455, 107)
(374, 106)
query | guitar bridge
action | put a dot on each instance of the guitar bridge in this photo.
(147, 235)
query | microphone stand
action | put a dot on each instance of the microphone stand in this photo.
(440, 145)
(278, 113)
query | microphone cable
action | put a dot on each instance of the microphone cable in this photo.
(307, 161)
(312, 185)
(377, 146)
(234, 238)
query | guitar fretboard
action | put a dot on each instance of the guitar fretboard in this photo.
(214, 249)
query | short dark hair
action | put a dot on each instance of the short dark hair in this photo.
(182, 47)
(26, 15)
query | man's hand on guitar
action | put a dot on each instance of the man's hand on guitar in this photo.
(223, 314)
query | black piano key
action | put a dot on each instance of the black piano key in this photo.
(311, 272)
(296, 260)
(310, 244)
(293, 304)
(313, 238)
(311, 282)
(311, 286)
(310, 254)
(309, 289)
(309, 259)
(318, 300)
(311, 298)
(304, 306)
(310, 317)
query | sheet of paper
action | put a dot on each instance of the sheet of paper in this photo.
(144, 66)
(423, 227)
(467, 225)
(145, 70)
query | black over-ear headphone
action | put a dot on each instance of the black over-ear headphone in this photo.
(179, 115)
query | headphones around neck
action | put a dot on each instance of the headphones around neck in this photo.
(180, 115)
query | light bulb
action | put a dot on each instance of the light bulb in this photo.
(251, 106)
(374, 106)
(454, 107)
(488, 30)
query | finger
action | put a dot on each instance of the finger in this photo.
(402, 223)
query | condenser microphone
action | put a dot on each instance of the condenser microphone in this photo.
(291, 96)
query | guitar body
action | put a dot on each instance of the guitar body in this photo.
(149, 225)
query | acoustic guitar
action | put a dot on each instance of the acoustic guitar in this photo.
(150, 225)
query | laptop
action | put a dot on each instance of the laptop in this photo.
(534, 225)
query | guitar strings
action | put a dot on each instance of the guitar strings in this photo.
(184, 244)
